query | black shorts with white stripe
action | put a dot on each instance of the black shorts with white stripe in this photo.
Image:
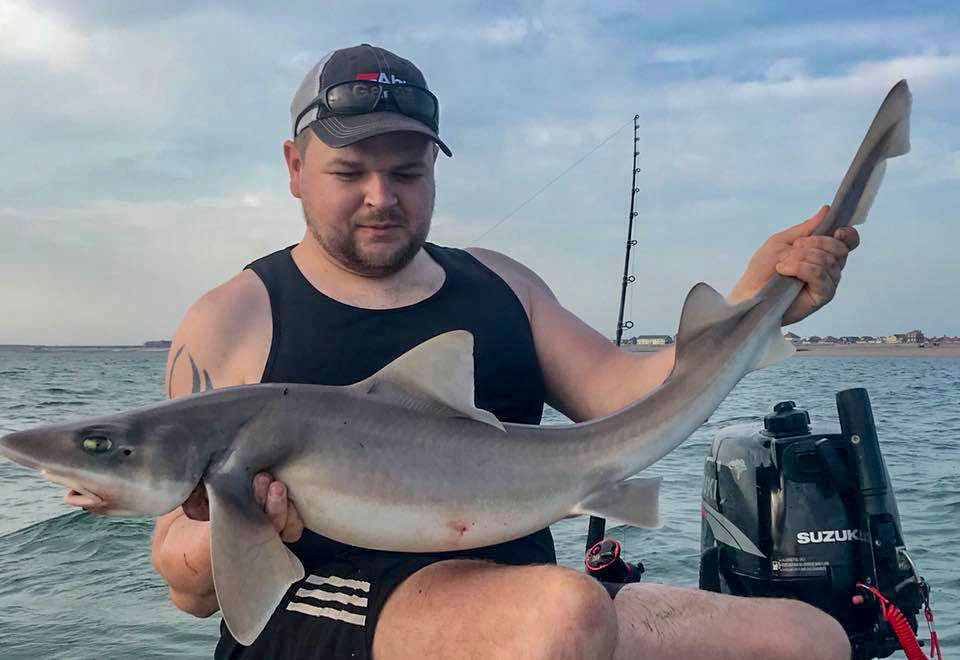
(333, 611)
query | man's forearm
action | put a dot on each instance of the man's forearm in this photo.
(181, 555)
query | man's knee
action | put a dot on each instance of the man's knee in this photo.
(483, 610)
(574, 615)
(809, 633)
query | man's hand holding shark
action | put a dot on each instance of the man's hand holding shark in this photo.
(403, 460)
(817, 261)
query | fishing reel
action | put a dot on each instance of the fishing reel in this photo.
(794, 512)
(604, 561)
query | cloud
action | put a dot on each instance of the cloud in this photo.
(787, 82)
(496, 32)
(32, 34)
(118, 272)
(807, 39)
(141, 162)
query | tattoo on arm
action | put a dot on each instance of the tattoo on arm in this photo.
(197, 386)
(170, 375)
(196, 375)
(207, 383)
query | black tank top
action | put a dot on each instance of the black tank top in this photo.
(317, 339)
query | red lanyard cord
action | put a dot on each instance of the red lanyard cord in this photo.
(901, 627)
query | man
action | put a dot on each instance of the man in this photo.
(360, 289)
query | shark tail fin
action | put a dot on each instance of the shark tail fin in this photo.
(891, 127)
(895, 110)
(705, 311)
(869, 194)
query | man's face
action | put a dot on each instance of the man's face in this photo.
(368, 205)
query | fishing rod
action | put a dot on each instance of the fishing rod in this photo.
(598, 525)
(549, 183)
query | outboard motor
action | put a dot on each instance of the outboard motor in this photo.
(807, 513)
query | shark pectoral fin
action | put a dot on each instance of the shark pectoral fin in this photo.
(252, 568)
(435, 377)
(778, 349)
(634, 501)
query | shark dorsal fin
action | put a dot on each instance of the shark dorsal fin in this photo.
(435, 377)
(702, 308)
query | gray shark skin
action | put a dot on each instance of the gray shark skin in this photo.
(403, 460)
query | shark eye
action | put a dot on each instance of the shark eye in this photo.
(97, 444)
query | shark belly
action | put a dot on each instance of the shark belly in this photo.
(413, 527)
(415, 512)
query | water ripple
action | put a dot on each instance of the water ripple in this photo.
(76, 573)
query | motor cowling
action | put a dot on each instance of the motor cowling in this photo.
(807, 512)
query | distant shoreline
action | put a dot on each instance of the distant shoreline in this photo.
(40, 348)
(951, 350)
(878, 350)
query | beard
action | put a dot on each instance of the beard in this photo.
(375, 258)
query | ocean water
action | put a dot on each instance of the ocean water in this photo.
(75, 585)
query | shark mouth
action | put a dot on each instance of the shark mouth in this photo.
(78, 495)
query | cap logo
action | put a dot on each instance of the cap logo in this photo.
(381, 78)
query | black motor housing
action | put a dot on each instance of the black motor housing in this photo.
(805, 512)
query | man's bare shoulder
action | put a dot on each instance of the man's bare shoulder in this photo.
(230, 307)
(526, 284)
(225, 336)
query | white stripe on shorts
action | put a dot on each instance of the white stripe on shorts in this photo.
(328, 612)
(335, 581)
(320, 594)
(297, 603)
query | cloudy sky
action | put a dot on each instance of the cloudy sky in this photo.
(141, 148)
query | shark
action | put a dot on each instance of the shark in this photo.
(404, 460)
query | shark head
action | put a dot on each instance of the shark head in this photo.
(117, 465)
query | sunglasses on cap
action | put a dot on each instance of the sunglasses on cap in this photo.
(357, 97)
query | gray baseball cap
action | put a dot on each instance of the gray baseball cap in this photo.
(363, 63)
